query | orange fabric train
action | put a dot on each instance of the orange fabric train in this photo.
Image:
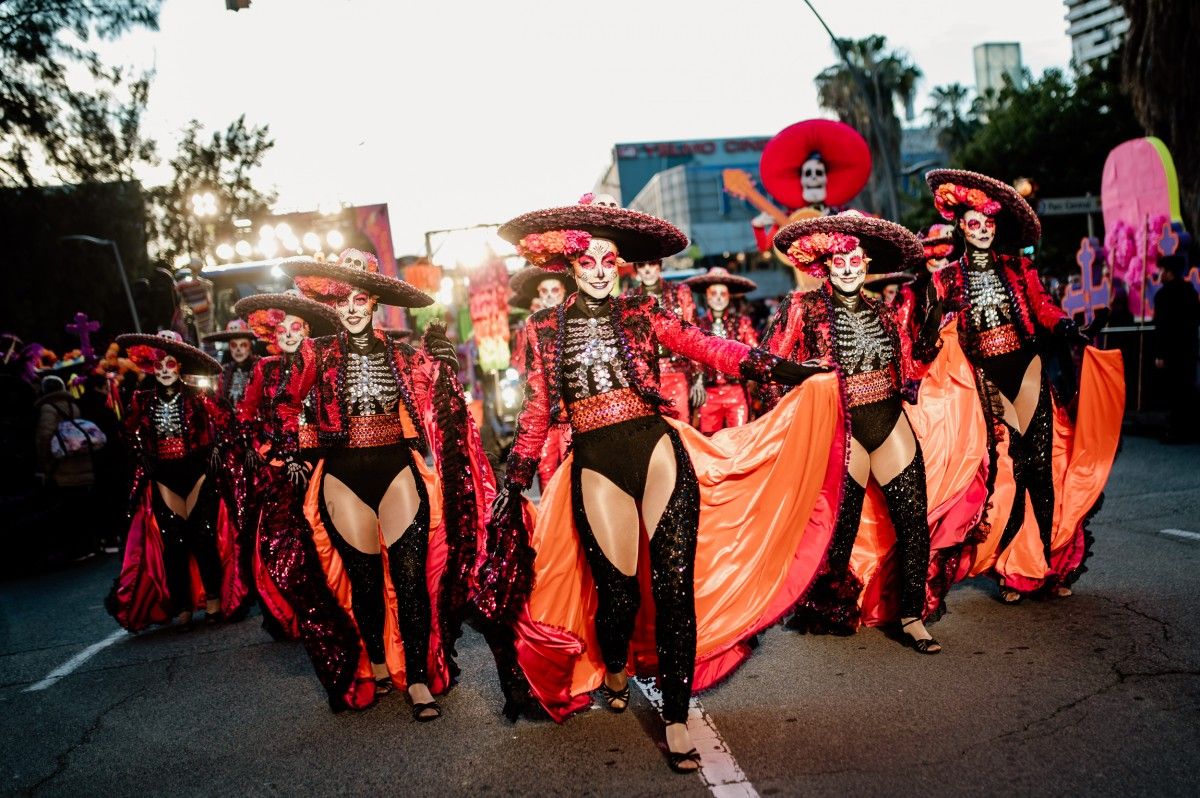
(949, 425)
(768, 497)
(1083, 456)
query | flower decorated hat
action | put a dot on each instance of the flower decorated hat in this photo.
(235, 329)
(354, 270)
(524, 284)
(549, 238)
(956, 191)
(264, 312)
(719, 275)
(890, 247)
(146, 350)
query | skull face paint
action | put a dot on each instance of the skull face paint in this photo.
(605, 201)
(717, 297)
(166, 371)
(596, 269)
(649, 273)
(936, 264)
(814, 180)
(551, 293)
(978, 228)
(239, 349)
(355, 311)
(848, 271)
(290, 333)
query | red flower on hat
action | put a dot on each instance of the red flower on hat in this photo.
(553, 248)
(263, 323)
(145, 357)
(323, 289)
(950, 196)
(806, 252)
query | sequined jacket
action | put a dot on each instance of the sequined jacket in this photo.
(803, 330)
(641, 326)
(226, 386)
(1032, 306)
(323, 372)
(196, 422)
(679, 300)
(265, 404)
(738, 327)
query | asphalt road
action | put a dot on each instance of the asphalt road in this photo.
(1098, 694)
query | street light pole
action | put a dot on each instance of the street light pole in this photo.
(137, 322)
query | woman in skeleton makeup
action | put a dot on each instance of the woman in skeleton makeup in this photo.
(592, 361)
(170, 433)
(879, 362)
(378, 403)
(1004, 314)
(725, 403)
(678, 381)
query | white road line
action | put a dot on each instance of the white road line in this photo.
(718, 769)
(1180, 533)
(75, 661)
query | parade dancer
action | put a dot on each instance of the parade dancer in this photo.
(725, 403)
(547, 289)
(1005, 314)
(291, 582)
(592, 363)
(679, 382)
(878, 361)
(940, 248)
(378, 403)
(170, 435)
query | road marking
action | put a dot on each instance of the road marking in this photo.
(719, 771)
(1180, 533)
(74, 662)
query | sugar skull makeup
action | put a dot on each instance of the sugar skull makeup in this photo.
(239, 349)
(596, 269)
(848, 271)
(290, 333)
(166, 371)
(717, 297)
(355, 311)
(649, 273)
(814, 180)
(551, 293)
(978, 228)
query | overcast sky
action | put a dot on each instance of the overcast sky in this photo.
(459, 113)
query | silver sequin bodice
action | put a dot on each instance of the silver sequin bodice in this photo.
(862, 344)
(370, 384)
(168, 417)
(990, 306)
(591, 359)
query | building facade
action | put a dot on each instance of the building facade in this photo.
(1096, 28)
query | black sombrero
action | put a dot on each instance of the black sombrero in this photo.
(638, 236)
(319, 281)
(191, 359)
(322, 320)
(1012, 205)
(719, 275)
(890, 247)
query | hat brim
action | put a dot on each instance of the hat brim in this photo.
(736, 284)
(1012, 205)
(224, 336)
(890, 247)
(524, 284)
(321, 319)
(884, 280)
(192, 359)
(638, 236)
(388, 290)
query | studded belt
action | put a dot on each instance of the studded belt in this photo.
(606, 409)
(383, 429)
(869, 387)
(171, 448)
(999, 341)
(308, 437)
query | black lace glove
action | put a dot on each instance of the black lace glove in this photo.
(214, 458)
(439, 346)
(507, 501)
(296, 470)
(789, 373)
(1069, 332)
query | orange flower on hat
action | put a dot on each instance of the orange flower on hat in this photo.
(806, 252)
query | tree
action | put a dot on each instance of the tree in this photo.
(40, 40)
(100, 138)
(953, 117)
(1160, 51)
(1058, 133)
(863, 90)
(221, 164)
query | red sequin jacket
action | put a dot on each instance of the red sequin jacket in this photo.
(738, 327)
(642, 326)
(679, 300)
(196, 424)
(1032, 306)
(265, 403)
(803, 330)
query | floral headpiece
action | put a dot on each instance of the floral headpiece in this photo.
(948, 197)
(323, 289)
(551, 250)
(145, 357)
(263, 323)
(806, 252)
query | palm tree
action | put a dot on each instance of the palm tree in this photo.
(954, 125)
(863, 91)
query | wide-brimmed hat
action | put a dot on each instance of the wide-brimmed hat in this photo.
(844, 151)
(321, 319)
(638, 236)
(327, 282)
(235, 329)
(524, 284)
(1016, 221)
(719, 275)
(881, 281)
(191, 359)
(890, 247)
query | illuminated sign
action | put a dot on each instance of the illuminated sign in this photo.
(699, 148)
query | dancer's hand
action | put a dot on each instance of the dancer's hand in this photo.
(789, 373)
(508, 499)
(1069, 331)
(295, 471)
(439, 346)
(696, 394)
(214, 458)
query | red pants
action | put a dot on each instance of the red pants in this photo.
(674, 386)
(558, 439)
(726, 407)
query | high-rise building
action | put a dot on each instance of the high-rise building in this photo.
(993, 61)
(1095, 28)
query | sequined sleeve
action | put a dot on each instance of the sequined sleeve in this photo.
(247, 409)
(685, 339)
(534, 420)
(1044, 308)
(745, 332)
(780, 339)
(289, 403)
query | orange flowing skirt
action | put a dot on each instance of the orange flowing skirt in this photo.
(769, 492)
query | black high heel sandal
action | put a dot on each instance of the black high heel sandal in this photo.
(383, 685)
(925, 646)
(1010, 597)
(675, 759)
(611, 696)
(417, 709)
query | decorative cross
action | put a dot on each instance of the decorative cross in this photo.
(1095, 287)
(83, 327)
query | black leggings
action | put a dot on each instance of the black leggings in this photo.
(406, 566)
(195, 536)
(1033, 472)
(672, 558)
